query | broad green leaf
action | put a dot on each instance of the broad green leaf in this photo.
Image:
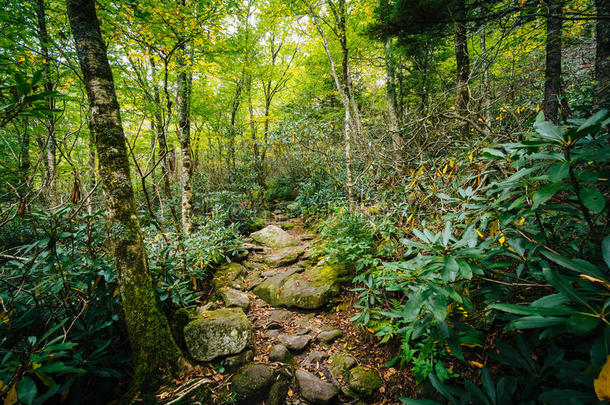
(558, 172)
(535, 322)
(579, 266)
(493, 152)
(411, 401)
(532, 310)
(27, 390)
(592, 199)
(545, 193)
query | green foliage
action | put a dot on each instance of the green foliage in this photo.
(542, 212)
(280, 188)
(60, 312)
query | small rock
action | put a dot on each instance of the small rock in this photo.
(280, 315)
(279, 353)
(340, 364)
(314, 358)
(274, 237)
(330, 335)
(274, 325)
(217, 333)
(302, 331)
(284, 256)
(252, 382)
(314, 389)
(210, 306)
(278, 393)
(240, 359)
(234, 298)
(308, 236)
(251, 247)
(294, 342)
(230, 275)
(364, 381)
(273, 333)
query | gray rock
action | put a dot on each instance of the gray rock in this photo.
(314, 389)
(230, 275)
(210, 306)
(363, 381)
(274, 237)
(240, 359)
(284, 256)
(314, 358)
(278, 392)
(251, 247)
(311, 289)
(340, 364)
(280, 315)
(279, 353)
(294, 342)
(252, 382)
(217, 333)
(234, 298)
(330, 335)
(273, 333)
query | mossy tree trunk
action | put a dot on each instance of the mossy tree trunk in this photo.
(154, 350)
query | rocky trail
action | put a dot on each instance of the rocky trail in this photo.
(277, 331)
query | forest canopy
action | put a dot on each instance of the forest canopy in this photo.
(309, 201)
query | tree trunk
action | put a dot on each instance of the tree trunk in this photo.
(485, 86)
(390, 69)
(462, 59)
(43, 36)
(602, 55)
(184, 134)
(24, 165)
(552, 74)
(154, 351)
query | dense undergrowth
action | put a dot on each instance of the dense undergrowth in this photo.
(495, 278)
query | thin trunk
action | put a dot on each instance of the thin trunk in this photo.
(43, 37)
(485, 85)
(462, 97)
(24, 165)
(602, 55)
(154, 351)
(184, 134)
(552, 74)
(390, 69)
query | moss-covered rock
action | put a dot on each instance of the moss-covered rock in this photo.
(269, 290)
(230, 275)
(363, 381)
(278, 392)
(217, 333)
(234, 298)
(340, 364)
(252, 382)
(274, 237)
(234, 362)
(284, 256)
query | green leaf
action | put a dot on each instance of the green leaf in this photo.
(27, 390)
(559, 396)
(450, 269)
(465, 269)
(411, 401)
(606, 250)
(558, 172)
(533, 310)
(492, 153)
(577, 265)
(545, 193)
(535, 322)
(592, 199)
(549, 131)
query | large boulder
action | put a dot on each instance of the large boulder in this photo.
(363, 381)
(284, 256)
(234, 298)
(252, 382)
(230, 275)
(314, 389)
(217, 333)
(340, 364)
(274, 237)
(311, 289)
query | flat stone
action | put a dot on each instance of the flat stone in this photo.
(314, 389)
(330, 335)
(274, 237)
(280, 315)
(252, 382)
(273, 333)
(251, 247)
(209, 306)
(217, 333)
(284, 256)
(314, 358)
(230, 275)
(279, 353)
(294, 342)
(234, 298)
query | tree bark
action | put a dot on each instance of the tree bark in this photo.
(552, 74)
(154, 351)
(602, 55)
(485, 86)
(183, 100)
(390, 69)
(51, 165)
(462, 96)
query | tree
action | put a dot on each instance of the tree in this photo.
(552, 73)
(602, 55)
(154, 351)
(462, 60)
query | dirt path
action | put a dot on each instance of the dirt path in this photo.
(306, 348)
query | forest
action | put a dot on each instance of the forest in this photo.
(304, 202)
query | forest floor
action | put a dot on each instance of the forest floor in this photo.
(268, 322)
